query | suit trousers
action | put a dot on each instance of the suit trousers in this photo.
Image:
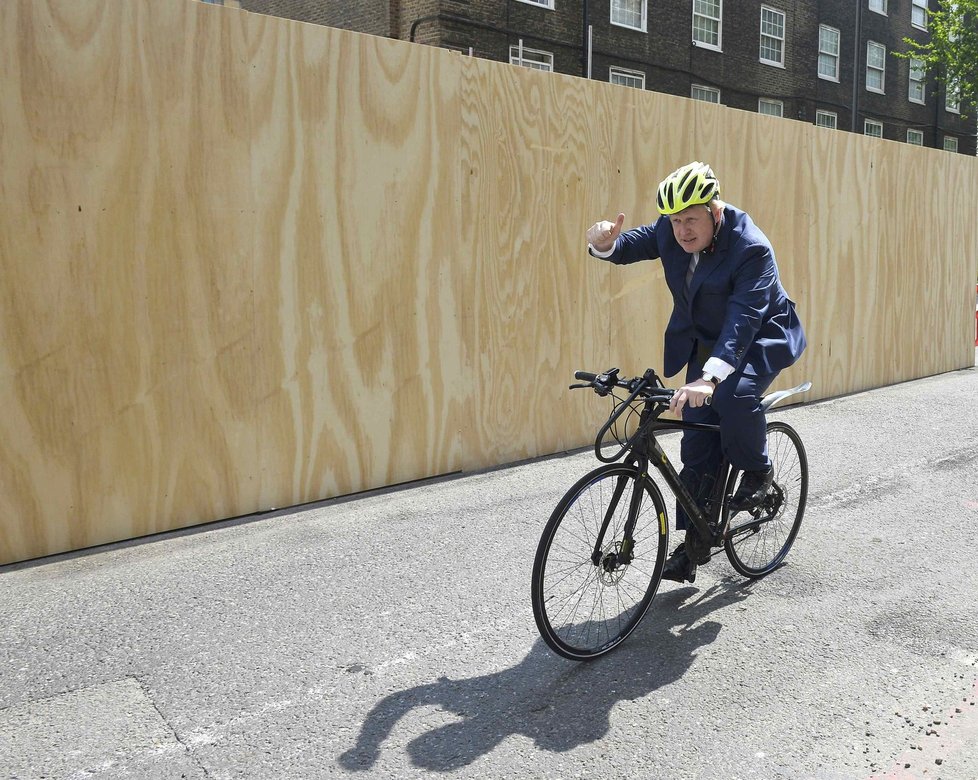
(736, 408)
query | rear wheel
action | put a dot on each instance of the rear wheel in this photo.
(757, 542)
(593, 581)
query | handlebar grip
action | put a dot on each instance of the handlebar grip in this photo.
(585, 376)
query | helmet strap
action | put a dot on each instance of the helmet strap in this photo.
(717, 223)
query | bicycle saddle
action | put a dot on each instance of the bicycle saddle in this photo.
(771, 399)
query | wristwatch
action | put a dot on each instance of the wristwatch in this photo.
(712, 379)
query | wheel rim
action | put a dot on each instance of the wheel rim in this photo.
(760, 547)
(588, 607)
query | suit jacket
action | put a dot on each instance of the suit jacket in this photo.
(736, 306)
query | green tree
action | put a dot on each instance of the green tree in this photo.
(951, 52)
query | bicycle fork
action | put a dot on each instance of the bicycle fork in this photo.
(621, 553)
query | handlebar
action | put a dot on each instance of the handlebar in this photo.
(648, 386)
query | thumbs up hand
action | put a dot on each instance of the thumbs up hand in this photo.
(602, 235)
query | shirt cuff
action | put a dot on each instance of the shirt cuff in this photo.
(603, 255)
(718, 368)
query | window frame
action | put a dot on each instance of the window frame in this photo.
(822, 113)
(718, 46)
(874, 122)
(514, 53)
(952, 147)
(918, 133)
(770, 102)
(838, 42)
(616, 70)
(763, 35)
(645, 17)
(882, 70)
(914, 5)
(547, 4)
(921, 82)
(705, 89)
(952, 97)
(885, 9)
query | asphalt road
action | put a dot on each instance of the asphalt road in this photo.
(391, 635)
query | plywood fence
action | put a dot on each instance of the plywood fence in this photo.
(250, 263)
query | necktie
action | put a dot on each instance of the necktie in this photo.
(692, 269)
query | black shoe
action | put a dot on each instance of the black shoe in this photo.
(752, 489)
(679, 568)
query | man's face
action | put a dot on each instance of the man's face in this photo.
(693, 228)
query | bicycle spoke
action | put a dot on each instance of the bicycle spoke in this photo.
(757, 548)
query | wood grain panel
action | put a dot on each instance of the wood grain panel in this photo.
(125, 308)
(532, 291)
(929, 290)
(359, 263)
(845, 247)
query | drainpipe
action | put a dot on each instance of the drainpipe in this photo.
(585, 48)
(856, 70)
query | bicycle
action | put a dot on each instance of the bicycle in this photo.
(599, 561)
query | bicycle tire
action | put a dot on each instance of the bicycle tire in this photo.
(585, 609)
(758, 548)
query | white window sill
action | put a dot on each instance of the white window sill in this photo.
(629, 27)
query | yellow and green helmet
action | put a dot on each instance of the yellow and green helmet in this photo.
(692, 185)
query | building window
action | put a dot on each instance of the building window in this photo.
(827, 119)
(707, 94)
(532, 58)
(875, 66)
(952, 97)
(629, 13)
(707, 23)
(627, 78)
(828, 53)
(873, 128)
(772, 36)
(918, 93)
(878, 5)
(543, 3)
(770, 107)
(918, 14)
(950, 144)
(915, 137)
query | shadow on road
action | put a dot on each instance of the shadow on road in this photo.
(558, 704)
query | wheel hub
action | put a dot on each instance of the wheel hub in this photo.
(614, 562)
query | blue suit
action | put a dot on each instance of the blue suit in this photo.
(736, 310)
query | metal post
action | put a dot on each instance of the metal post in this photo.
(590, 41)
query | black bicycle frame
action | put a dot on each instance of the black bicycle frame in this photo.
(706, 524)
(647, 451)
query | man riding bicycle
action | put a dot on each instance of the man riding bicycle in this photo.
(733, 327)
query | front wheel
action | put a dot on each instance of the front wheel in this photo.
(599, 562)
(756, 543)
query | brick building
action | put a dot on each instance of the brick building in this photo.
(827, 62)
